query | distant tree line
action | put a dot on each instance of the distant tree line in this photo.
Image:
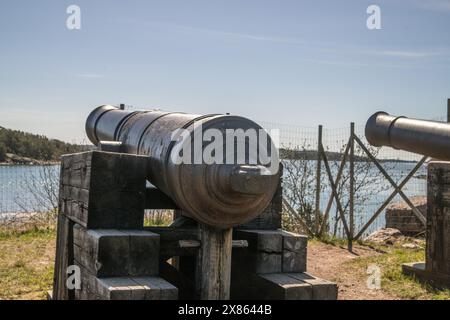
(33, 146)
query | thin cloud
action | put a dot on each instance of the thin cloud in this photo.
(89, 75)
(241, 35)
(436, 5)
(410, 54)
(325, 47)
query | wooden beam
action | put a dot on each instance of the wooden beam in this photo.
(156, 199)
(389, 199)
(334, 190)
(338, 179)
(416, 211)
(213, 273)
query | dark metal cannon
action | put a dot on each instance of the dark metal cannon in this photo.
(222, 194)
(429, 138)
(424, 137)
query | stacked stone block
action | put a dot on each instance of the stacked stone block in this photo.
(400, 216)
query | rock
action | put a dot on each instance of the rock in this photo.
(391, 236)
(410, 246)
(385, 236)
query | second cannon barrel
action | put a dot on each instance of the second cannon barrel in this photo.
(424, 137)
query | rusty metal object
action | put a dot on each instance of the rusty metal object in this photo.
(430, 138)
(219, 195)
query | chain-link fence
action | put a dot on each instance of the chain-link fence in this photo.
(307, 186)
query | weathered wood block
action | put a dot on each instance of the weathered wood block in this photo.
(438, 218)
(102, 190)
(270, 241)
(63, 258)
(264, 252)
(125, 288)
(272, 251)
(107, 253)
(321, 289)
(294, 252)
(281, 286)
(270, 218)
(435, 279)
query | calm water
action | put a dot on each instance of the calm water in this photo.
(24, 189)
(28, 188)
(376, 193)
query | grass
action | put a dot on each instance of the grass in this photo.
(26, 263)
(26, 266)
(158, 218)
(393, 280)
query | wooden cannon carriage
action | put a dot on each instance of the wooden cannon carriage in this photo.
(104, 251)
(101, 230)
(431, 139)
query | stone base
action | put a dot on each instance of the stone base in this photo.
(436, 280)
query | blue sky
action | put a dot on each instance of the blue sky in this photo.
(292, 62)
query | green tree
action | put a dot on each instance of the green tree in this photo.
(2, 151)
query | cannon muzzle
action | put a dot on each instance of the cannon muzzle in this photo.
(220, 193)
(430, 138)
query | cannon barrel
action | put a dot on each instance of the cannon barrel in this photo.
(221, 194)
(430, 138)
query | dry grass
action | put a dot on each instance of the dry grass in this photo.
(26, 263)
(27, 257)
(393, 280)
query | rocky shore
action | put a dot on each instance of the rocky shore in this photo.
(13, 159)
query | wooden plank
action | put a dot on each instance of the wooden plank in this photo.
(294, 252)
(124, 288)
(336, 182)
(175, 233)
(108, 253)
(156, 199)
(318, 182)
(214, 263)
(277, 286)
(184, 283)
(419, 271)
(63, 258)
(438, 218)
(105, 190)
(271, 251)
(269, 241)
(64, 249)
(321, 289)
(264, 252)
(270, 218)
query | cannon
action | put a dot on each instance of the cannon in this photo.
(221, 194)
(432, 139)
(230, 246)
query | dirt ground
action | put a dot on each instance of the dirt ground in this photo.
(328, 262)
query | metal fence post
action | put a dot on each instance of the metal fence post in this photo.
(352, 186)
(318, 173)
(448, 110)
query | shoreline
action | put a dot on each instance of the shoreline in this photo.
(29, 164)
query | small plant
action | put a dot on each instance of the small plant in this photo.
(158, 217)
